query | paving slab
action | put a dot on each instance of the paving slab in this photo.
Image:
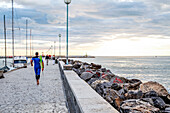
(19, 92)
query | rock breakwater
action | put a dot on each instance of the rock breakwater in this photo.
(126, 95)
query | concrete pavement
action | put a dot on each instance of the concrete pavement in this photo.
(19, 92)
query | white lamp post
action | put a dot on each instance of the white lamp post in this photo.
(59, 45)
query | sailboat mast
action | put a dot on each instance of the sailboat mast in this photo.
(13, 32)
(30, 43)
(5, 40)
(26, 36)
(32, 46)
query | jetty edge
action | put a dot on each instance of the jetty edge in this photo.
(125, 95)
(81, 98)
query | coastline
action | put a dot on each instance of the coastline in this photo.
(143, 68)
(105, 83)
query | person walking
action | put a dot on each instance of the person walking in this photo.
(53, 59)
(47, 58)
(37, 66)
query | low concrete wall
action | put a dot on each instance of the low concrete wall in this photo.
(80, 96)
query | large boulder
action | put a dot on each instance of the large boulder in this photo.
(154, 86)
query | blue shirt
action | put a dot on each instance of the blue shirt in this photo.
(36, 62)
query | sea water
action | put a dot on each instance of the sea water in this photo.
(150, 68)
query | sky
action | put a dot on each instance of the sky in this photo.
(96, 27)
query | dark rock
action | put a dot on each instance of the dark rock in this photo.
(151, 94)
(86, 75)
(103, 69)
(70, 61)
(85, 63)
(134, 80)
(95, 66)
(137, 106)
(166, 99)
(122, 92)
(76, 66)
(113, 97)
(102, 88)
(92, 80)
(116, 86)
(134, 95)
(167, 110)
(158, 102)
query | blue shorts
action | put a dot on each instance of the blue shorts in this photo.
(37, 71)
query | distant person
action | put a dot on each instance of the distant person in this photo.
(47, 58)
(53, 59)
(37, 66)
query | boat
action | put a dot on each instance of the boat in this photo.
(20, 62)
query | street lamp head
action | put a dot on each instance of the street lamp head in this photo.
(67, 1)
(59, 35)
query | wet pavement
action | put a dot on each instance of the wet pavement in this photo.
(19, 92)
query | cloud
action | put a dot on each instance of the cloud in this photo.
(90, 21)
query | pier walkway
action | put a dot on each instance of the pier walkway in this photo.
(19, 92)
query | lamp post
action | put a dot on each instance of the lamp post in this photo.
(51, 49)
(5, 40)
(59, 45)
(67, 2)
(54, 47)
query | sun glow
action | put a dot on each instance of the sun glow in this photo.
(141, 47)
